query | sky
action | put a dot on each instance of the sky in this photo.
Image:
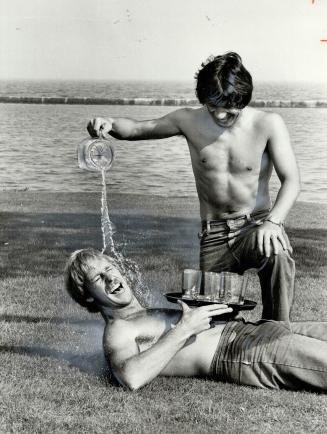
(161, 40)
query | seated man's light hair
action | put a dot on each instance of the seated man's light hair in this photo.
(75, 274)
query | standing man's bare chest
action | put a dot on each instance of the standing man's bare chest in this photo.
(235, 151)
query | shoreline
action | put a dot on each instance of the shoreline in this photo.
(145, 101)
(27, 191)
(312, 214)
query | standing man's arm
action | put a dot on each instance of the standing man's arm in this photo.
(130, 129)
(283, 158)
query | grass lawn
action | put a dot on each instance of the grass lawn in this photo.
(53, 375)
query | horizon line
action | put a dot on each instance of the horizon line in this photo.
(184, 80)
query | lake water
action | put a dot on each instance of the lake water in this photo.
(38, 142)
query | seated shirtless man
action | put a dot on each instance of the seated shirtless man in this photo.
(141, 344)
(233, 150)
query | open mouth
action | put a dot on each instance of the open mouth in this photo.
(229, 119)
(114, 288)
(227, 116)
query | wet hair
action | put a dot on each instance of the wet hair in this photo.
(223, 81)
(76, 271)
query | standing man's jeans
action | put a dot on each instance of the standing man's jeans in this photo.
(231, 245)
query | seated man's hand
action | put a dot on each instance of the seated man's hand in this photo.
(99, 127)
(196, 320)
(269, 238)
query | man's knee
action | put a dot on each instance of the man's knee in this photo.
(283, 257)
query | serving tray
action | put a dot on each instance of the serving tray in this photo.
(173, 297)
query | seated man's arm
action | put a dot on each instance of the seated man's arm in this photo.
(130, 129)
(134, 369)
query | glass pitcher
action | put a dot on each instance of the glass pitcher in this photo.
(95, 154)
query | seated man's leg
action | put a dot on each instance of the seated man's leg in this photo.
(304, 365)
(276, 275)
(312, 329)
(268, 354)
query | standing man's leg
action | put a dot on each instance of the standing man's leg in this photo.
(277, 286)
(276, 274)
(215, 252)
(222, 250)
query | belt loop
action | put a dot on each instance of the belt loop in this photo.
(208, 227)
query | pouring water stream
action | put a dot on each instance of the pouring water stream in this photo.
(97, 155)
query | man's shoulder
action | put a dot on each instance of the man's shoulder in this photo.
(187, 112)
(255, 113)
(263, 119)
(185, 118)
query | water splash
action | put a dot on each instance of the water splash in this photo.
(106, 226)
(97, 155)
(129, 268)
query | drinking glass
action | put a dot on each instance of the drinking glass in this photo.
(191, 283)
(232, 287)
(211, 285)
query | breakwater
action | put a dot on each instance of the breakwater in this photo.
(153, 101)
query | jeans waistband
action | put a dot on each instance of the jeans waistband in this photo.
(248, 216)
(207, 224)
(227, 335)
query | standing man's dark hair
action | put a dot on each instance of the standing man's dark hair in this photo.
(223, 81)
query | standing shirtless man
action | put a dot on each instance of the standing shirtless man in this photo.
(233, 150)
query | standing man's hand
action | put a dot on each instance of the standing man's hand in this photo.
(99, 127)
(270, 238)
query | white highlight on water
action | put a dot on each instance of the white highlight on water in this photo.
(129, 268)
(106, 226)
